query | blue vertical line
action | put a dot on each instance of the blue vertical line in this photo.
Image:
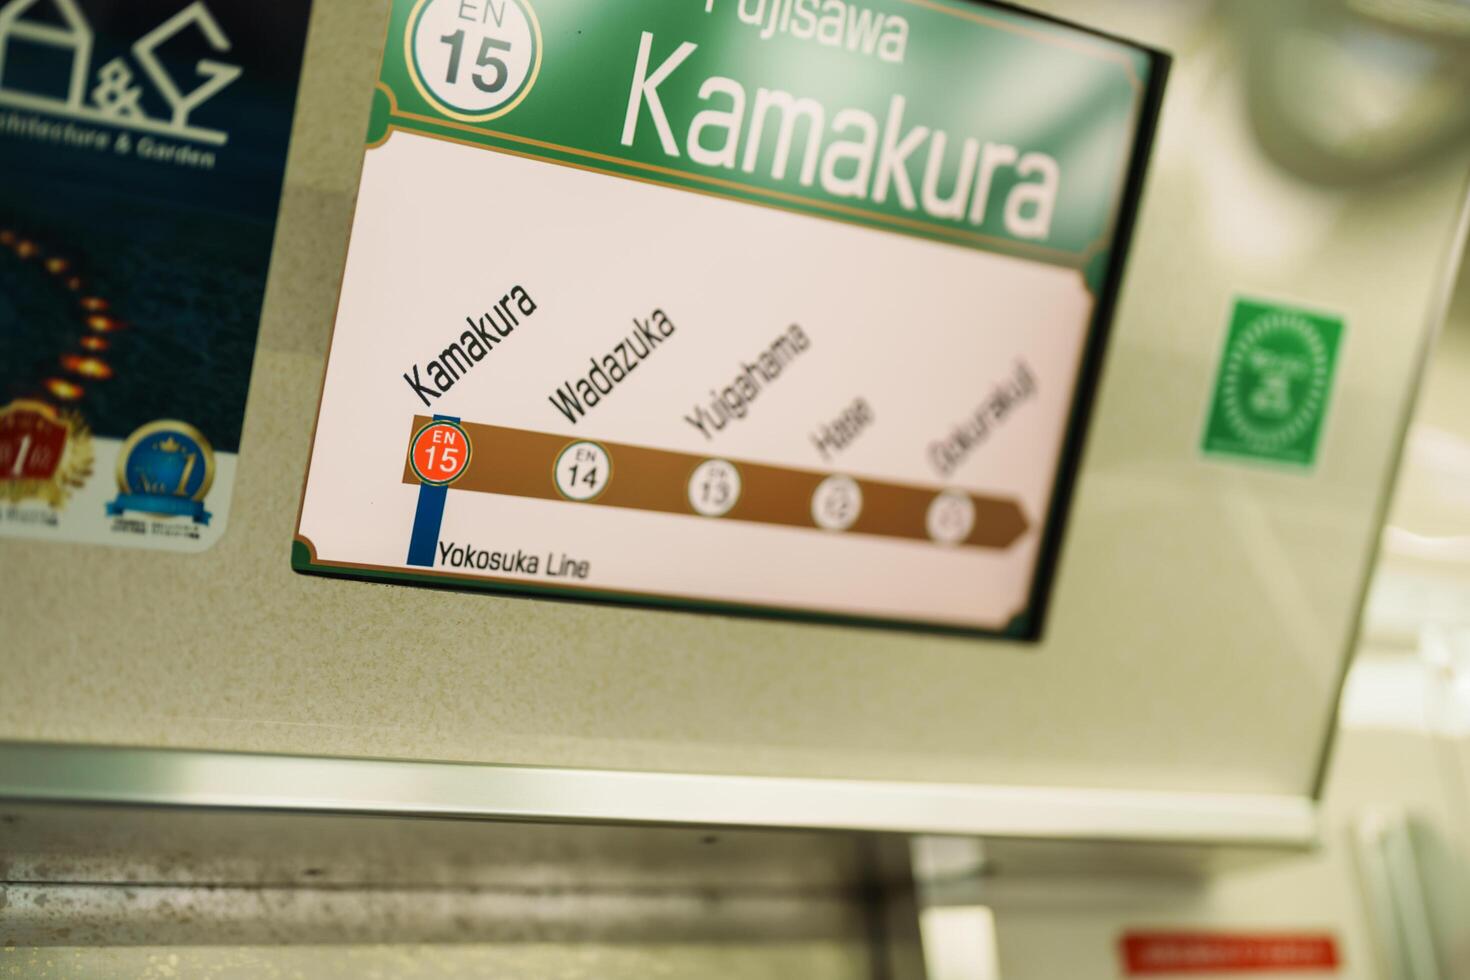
(428, 518)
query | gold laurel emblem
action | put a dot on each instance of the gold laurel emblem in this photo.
(31, 433)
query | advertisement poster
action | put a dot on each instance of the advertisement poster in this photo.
(783, 308)
(142, 147)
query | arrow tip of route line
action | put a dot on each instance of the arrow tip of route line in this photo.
(1006, 525)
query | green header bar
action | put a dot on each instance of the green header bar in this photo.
(948, 120)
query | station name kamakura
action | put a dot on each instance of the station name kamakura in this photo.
(874, 155)
(486, 332)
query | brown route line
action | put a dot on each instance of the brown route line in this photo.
(658, 480)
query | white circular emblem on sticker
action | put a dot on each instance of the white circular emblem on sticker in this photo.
(473, 60)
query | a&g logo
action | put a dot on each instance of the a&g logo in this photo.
(110, 96)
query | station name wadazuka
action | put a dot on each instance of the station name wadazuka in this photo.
(486, 332)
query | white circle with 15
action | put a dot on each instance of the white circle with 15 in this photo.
(474, 60)
(714, 488)
(582, 471)
(951, 517)
(837, 503)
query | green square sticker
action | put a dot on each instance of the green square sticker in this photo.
(1274, 384)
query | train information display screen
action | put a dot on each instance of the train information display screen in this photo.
(781, 307)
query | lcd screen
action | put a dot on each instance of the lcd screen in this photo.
(790, 308)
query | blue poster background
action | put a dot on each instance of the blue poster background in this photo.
(164, 234)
